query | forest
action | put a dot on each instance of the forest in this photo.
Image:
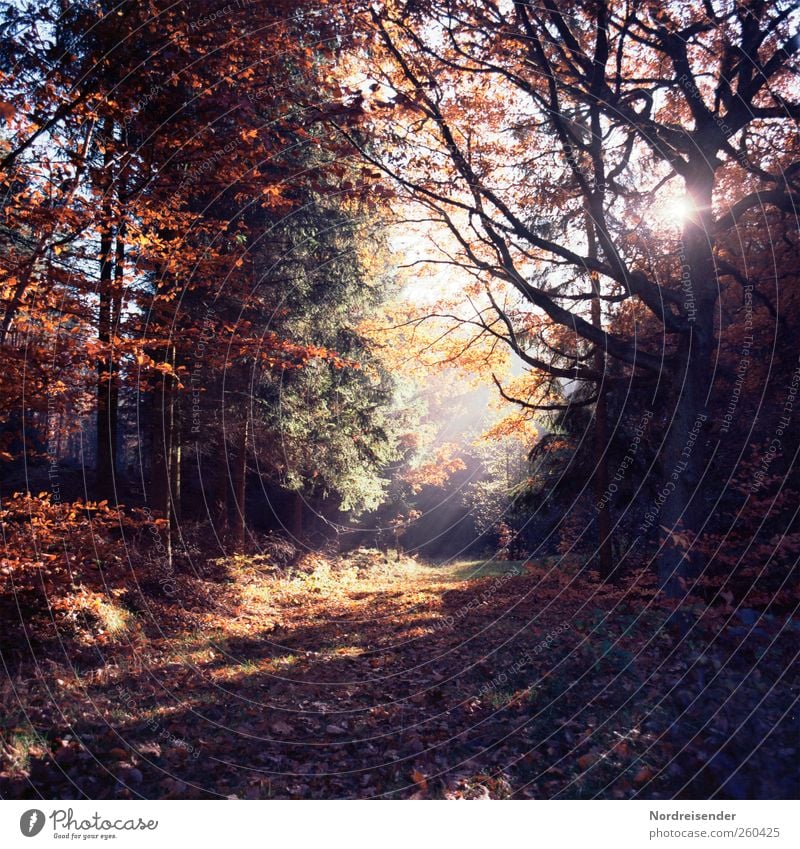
(399, 399)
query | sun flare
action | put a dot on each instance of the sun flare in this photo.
(676, 210)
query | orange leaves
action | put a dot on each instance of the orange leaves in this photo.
(274, 351)
(515, 424)
(40, 532)
(273, 191)
(419, 780)
(438, 470)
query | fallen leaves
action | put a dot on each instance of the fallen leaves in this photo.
(350, 704)
(419, 779)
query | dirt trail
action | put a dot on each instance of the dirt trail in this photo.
(372, 679)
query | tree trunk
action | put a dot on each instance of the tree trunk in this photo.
(297, 516)
(221, 498)
(104, 461)
(604, 542)
(162, 457)
(679, 505)
(239, 488)
(116, 317)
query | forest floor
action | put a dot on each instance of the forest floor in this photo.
(371, 676)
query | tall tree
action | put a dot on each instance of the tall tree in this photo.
(653, 119)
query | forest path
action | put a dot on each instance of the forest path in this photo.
(367, 677)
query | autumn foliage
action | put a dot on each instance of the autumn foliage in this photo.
(301, 302)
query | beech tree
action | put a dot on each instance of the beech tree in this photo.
(589, 162)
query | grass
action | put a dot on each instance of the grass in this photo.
(116, 621)
(20, 747)
(470, 570)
